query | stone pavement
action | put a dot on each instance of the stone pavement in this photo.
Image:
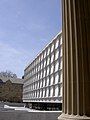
(11, 114)
(20, 115)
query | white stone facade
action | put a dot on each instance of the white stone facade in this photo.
(43, 77)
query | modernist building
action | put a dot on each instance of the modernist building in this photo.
(11, 89)
(43, 77)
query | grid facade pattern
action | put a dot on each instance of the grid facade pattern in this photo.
(43, 77)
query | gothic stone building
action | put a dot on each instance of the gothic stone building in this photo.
(11, 89)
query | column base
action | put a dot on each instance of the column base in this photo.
(72, 117)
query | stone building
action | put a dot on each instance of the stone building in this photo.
(43, 77)
(11, 89)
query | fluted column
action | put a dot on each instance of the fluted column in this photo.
(76, 59)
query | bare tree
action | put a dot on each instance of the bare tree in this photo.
(8, 73)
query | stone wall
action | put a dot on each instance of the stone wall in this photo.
(11, 92)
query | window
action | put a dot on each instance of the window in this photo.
(56, 78)
(37, 60)
(56, 66)
(41, 57)
(44, 73)
(47, 81)
(41, 65)
(41, 75)
(52, 68)
(40, 93)
(51, 91)
(43, 82)
(47, 70)
(38, 67)
(47, 92)
(45, 63)
(40, 83)
(48, 51)
(48, 59)
(34, 63)
(61, 77)
(61, 52)
(56, 90)
(52, 47)
(61, 91)
(43, 92)
(44, 54)
(35, 93)
(56, 54)
(38, 76)
(60, 40)
(51, 81)
(31, 87)
(57, 43)
(35, 85)
(34, 70)
(52, 58)
(35, 77)
(61, 64)
(32, 94)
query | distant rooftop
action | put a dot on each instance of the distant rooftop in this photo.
(13, 80)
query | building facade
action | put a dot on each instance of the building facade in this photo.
(43, 76)
(11, 89)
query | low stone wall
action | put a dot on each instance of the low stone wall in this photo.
(21, 115)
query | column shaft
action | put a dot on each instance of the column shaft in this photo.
(76, 57)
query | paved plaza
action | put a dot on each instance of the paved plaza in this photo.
(13, 112)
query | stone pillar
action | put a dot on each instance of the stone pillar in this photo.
(76, 59)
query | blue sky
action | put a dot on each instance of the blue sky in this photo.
(26, 26)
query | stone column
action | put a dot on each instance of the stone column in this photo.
(76, 59)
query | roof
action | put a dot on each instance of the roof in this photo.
(13, 80)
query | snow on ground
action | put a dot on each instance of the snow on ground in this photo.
(26, 109)
(19, 108)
